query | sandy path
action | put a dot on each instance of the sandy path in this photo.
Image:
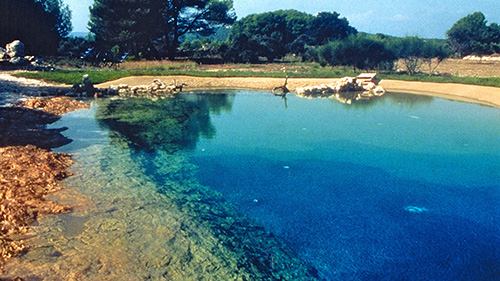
(469, 93)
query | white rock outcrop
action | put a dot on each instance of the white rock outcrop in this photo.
(157, 89)
(15, 49)
(3, 54)
(346, 90)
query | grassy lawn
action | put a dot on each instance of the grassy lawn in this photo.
(296, 70)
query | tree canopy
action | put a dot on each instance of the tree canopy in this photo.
(136, 25)
(326, 27)
(359, 51)
(472, 35)
(39, 24)
(200, 16)
(129, 24)
(274, 34)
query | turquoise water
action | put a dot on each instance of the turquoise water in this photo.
(241, 185)
(402, 188)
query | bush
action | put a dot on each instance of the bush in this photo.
(360, 52)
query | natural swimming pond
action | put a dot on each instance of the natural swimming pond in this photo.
(243, 184)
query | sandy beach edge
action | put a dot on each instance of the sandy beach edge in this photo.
(484, 95)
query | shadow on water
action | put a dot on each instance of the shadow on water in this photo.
(159, 131)
(166, 124)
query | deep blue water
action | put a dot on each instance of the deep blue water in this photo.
(402, 188)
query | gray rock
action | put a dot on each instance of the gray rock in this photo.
(15, 49)
(84, 89)
(19, 61)
(86, 80)
(3, 54)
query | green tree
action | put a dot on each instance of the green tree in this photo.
(154, 27)
(302, 45)
(410, 50)
(472, 35)
(61, 13)
(361, 52)
(494, 37)
(73, 46)
(415, 51)
(328, 26)
(267, 34)
(243, 49)
(433, 53)
(131, 25)
(40, 25)
(198, 16)
(275, 34)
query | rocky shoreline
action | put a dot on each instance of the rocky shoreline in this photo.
(29, 170)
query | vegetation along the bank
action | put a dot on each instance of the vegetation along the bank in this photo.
(248, 70)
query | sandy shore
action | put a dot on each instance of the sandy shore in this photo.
(469, 93)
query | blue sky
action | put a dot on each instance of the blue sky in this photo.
(425, 18)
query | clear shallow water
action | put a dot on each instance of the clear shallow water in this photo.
(140, 214)
(237, 185)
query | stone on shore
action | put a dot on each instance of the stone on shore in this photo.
(345, 90)
(157, 89)
(3, 54)
(19, 61)
(15, 49)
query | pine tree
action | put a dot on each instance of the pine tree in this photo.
(199, 16)
(40, 24)
(146, 26)
(132, 25)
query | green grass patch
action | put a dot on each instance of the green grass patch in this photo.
(75, 76)
(100, 76)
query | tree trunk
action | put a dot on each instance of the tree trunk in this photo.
(172, 49)
(174, 41)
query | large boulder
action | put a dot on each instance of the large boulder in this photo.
(3, 54)
(15, 49)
